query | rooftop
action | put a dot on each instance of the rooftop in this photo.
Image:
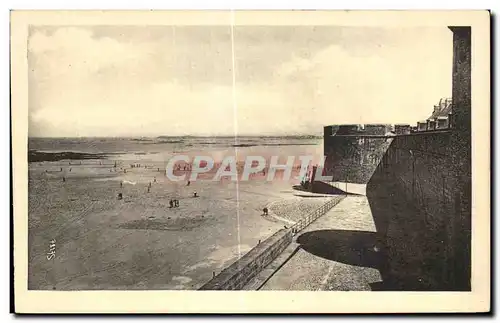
(442, 109)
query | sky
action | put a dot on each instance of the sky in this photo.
(206, 80)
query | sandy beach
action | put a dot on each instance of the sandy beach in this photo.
(139, 242)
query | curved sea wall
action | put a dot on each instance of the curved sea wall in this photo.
(353, 152)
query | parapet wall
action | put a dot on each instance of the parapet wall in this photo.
(243, 270)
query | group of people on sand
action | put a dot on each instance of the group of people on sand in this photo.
(185, 167)
(174, 203)
(137, 165)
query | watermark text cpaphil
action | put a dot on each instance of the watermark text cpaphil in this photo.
(186, 168)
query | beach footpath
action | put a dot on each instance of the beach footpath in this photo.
(244, 269)
(336, 252)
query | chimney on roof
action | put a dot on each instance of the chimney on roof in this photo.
(442, 103)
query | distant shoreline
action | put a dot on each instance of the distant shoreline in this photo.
(38, 156)
(149, 138)
(264, 145)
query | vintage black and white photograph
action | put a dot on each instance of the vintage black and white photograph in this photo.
(230, 156)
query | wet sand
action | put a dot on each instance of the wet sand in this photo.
(139, 242)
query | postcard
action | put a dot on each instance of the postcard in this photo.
(251, 161)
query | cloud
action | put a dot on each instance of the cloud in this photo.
(82, 84)
(169, 108)
(389, 84)
(73, 50)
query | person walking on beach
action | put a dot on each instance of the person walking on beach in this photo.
(266, 211)
(154, 179)
(121, 184)
(195, 194)
(171, 202)
(188, 183)
(176, 203)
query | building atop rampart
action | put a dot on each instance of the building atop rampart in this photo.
(441, 117)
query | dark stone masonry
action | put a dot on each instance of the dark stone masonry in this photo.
(418, 187)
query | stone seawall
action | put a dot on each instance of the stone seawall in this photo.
(243, 270)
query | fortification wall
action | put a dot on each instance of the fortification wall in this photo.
(420, 194)
(420, 191)
(415, 200)
(351, 154)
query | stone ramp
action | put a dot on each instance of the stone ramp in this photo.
(352, 188)
(336, 252)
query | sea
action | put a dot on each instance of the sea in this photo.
(161, 149)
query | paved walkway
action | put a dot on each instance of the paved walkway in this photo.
(336, 252)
